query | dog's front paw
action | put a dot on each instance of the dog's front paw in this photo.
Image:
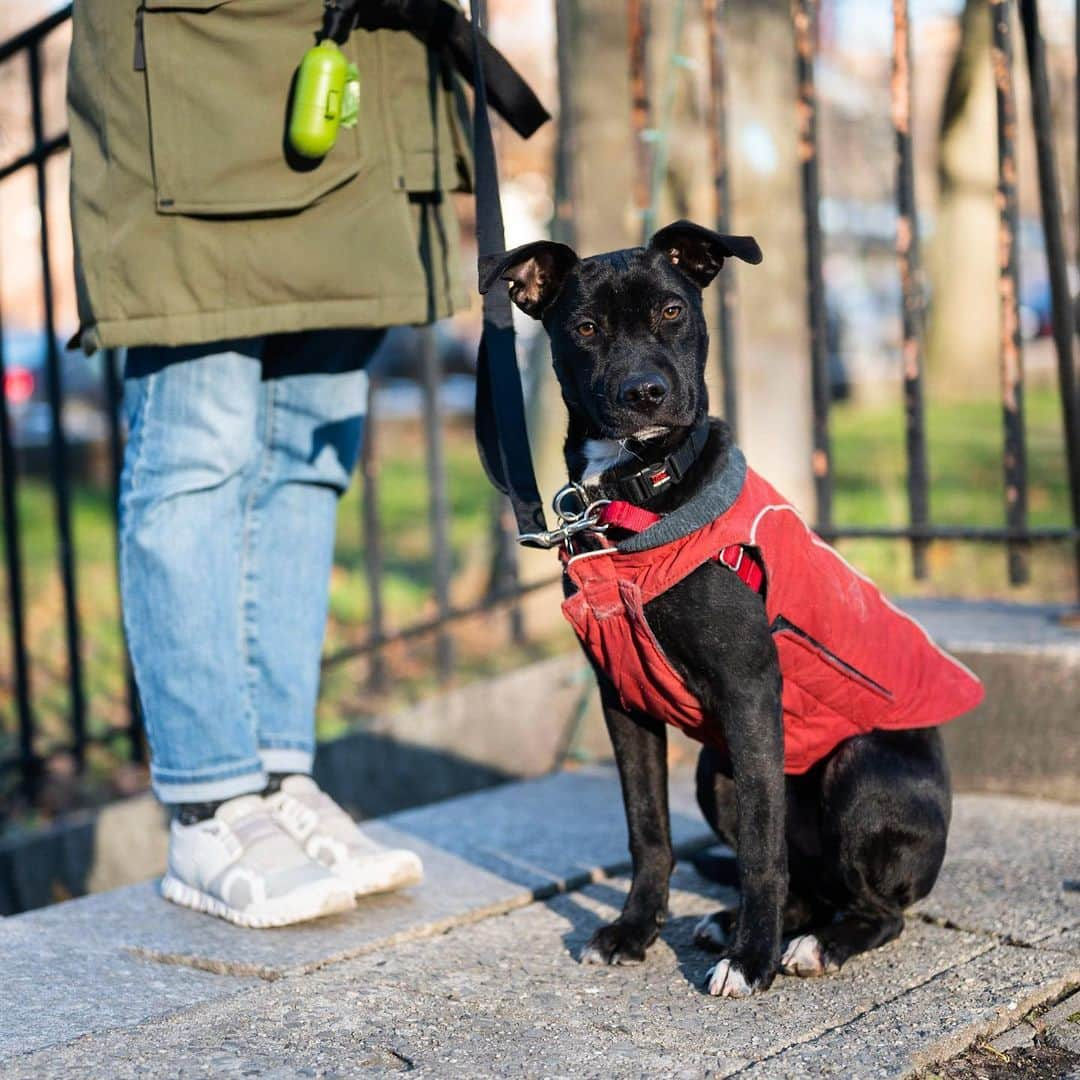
(806, 957)
(619, 943)
(738, 977)
(726, 979)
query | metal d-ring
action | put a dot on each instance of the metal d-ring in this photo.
(567, 517)
(570, 522)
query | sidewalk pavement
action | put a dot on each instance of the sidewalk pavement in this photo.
(474, 973)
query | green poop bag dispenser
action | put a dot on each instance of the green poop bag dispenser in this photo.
(324, 100)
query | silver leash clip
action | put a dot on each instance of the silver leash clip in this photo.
(571, 521)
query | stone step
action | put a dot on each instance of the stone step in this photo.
(433, 979)
(1025, 737)
(125, 956)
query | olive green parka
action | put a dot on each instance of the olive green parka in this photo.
(192, 221)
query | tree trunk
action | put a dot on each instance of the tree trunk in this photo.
(962, 344)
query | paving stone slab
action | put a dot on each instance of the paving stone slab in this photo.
(1069, 941)
(58, 986)
(934, 1021)
(1061, 1024)
(546, 833)
(1006, 868)
(137, 921)
(507, 997)
(482, 853)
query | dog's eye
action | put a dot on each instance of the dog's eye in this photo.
(672, 311)
(586, 329)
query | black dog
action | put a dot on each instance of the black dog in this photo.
(827, 860)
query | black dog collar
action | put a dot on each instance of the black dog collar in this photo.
(641, 486)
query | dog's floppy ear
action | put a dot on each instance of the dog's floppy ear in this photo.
(699, 253)
(536, 273)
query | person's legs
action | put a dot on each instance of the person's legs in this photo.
(236, 454)
(315, 401)
(192, 451)
(236, 458)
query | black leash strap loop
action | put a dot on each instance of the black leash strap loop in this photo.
(501, 435)
(440, 25)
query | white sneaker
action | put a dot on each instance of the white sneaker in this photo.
(240, 865)
(333, 839)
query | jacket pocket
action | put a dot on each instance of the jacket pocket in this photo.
(218, 79)
(821, 673)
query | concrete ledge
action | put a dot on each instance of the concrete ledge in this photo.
(485, 853)
(1025, 737)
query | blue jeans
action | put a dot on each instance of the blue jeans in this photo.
(237, 453)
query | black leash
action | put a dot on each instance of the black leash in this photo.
(441, 26)
(501, 435)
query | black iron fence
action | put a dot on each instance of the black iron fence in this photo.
(1016, 536)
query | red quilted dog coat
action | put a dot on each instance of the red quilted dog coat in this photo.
(851, 662)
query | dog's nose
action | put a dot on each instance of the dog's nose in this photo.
(643, 391)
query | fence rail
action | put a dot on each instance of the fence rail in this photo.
(1016, 536)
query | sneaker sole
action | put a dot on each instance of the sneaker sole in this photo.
(188, 896)
(412, 873)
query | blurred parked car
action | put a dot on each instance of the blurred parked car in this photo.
(26, 391)
(1035, 313)
(1036, 307)
(399, 367)
(401, 353)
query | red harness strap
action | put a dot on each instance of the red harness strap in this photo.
(635, 519)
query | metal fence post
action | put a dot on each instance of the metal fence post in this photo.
(718, 150)
(1057, 261)
(59, 454)
(371, 537)
(911, 281)
(442, 555)
(804, 16)
(638, 15)
(1011, 349)
(20, 662)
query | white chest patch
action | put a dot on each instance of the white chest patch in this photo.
(601, 455)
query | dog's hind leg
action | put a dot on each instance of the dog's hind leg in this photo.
(827, 950)
(640, 745)
(884, 835)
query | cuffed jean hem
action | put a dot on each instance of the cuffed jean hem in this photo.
(286, 759)
(172, 792)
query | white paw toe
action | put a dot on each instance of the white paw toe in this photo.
(726, 980)
(592, 955)
(709, 933)
(803, 956)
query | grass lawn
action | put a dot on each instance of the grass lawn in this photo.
(966, 488)
(965, 442)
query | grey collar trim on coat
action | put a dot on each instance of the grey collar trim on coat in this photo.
(715, 498)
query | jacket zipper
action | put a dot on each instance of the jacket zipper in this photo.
(780, 623)
(139, 62)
